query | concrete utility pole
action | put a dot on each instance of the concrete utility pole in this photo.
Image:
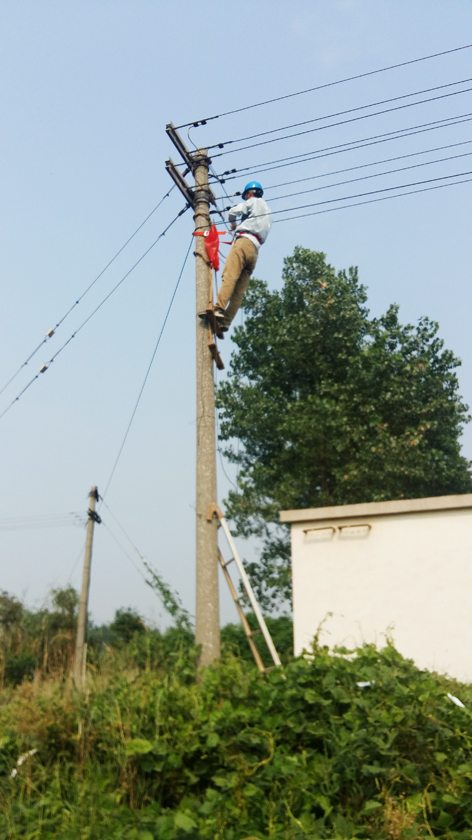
(80, 646)
(207, 618)
(207, 623)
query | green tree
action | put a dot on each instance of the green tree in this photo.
(330, 406)
(126, 624)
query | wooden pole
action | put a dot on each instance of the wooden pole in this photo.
(207, 619)
(80, 646)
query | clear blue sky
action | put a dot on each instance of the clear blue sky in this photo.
(86, 91)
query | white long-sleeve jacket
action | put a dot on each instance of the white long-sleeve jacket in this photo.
(256, 220)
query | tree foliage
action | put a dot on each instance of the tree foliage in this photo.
(330, 406)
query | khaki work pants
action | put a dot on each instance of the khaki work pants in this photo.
(239, 266)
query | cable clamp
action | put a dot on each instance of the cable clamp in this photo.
(94, 516)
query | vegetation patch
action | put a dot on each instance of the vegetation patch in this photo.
(333, 745)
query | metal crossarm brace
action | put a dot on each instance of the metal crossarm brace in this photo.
(189, 160)
(180, 182)
(179, 144)
(212, 510)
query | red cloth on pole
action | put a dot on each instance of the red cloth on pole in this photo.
(212, 242)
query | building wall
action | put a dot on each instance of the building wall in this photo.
(407, 575)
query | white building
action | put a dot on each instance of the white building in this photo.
(401, 568)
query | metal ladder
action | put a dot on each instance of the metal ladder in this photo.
(215, 510)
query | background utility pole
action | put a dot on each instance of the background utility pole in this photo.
(80, 647)
(207, 617)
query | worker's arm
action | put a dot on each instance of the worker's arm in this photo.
(238, 210)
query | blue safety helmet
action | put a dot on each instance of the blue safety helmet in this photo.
(255, 187)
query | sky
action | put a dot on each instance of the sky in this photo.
(86, 91)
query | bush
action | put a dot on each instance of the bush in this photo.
(281, 630)
(338, 745)
(19, 668)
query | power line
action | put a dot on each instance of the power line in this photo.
(341, 122)
(373, 200)
(360, 195)
(82, 325)
(196, 123)
(218, 447)
(371, 192)
(50, 333)
(352, 145)
(359, 166)
(148, 369)
(81, 552)
(141, 557)
(53, 520)
(114, 537)
(341, 113)
(374, 175)
(102, 501)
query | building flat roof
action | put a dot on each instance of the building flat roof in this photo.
(378, 508)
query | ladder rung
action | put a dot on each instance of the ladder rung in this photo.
(227, 562)
(255, 632)
(270, 668)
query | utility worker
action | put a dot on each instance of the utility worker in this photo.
(250, 233)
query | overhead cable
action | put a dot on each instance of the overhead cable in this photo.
(52, 520)
(115, 538)
(353, 145)
(341, 122)
(120, 526)
(323, 86)
(359, 166)
(141, 557)
(360, 195)
(148, 369)
(372, 201)
(46, 366)
(354, 168)
(367, 177)
(371, 192)
(341, 113)
(51, 332)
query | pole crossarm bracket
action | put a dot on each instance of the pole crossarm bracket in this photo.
(213, 510)
(192, 161)
(179, 144)
(180, 182)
